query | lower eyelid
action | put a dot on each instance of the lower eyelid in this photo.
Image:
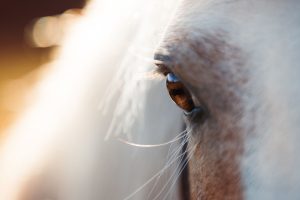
(198, 115)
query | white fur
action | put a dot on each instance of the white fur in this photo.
(268, 33)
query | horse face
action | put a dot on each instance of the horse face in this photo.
(237, 60)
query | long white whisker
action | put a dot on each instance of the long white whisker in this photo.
(190, 154)
(152, 178)
(168, 161)
(178, 137)
(173, 174)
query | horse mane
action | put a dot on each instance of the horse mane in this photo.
(95, 92)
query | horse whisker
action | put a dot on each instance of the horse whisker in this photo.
(152, 178)
(173, 174)
(171, 159)
(181, 135)
(184, 164)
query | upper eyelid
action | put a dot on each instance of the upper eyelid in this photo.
(162, 57)
(162, 61)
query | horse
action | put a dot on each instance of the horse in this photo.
(103, 123)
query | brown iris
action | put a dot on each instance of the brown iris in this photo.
(179, 94)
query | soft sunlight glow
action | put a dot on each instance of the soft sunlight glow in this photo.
(96, 47)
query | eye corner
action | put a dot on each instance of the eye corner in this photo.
(162, 62)
(161, 69)
(199, 113)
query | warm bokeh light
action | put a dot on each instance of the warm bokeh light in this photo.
(46, 32)
(49, 31)
(20, 63)
(21, 68)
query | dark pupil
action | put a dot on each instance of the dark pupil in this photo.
(179, 93)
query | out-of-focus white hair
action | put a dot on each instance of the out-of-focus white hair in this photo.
(96, 89)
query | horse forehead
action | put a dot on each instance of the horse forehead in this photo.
(250, 26)
(235, 16)
(268, 31)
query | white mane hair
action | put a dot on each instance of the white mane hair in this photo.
(65, 145)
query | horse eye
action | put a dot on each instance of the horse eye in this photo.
(179, 94)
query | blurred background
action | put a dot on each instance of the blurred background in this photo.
(30, 32)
